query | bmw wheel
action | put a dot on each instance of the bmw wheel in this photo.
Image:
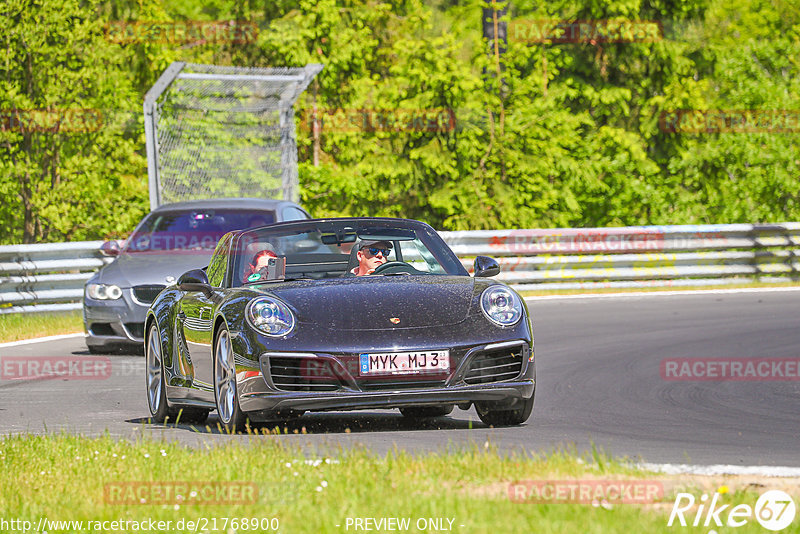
(225, 394)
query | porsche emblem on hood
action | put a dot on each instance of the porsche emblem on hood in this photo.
(394, 320)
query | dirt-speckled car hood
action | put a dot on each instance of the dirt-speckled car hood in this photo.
(371, 303)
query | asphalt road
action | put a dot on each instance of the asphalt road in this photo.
(599, 382)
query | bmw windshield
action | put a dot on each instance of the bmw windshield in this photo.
(198, 230)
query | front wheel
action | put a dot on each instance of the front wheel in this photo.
(225, 393)
(156, 392)
(505, 417)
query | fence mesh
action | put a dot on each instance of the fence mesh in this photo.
(229, 132)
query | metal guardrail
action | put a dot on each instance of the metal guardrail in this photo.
(637, 256)
(47, 277)
(51, 277)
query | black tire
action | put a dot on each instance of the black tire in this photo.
(505, 417)
(156, 390)
(420, 412)
(226, 396)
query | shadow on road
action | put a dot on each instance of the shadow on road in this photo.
(328, 423)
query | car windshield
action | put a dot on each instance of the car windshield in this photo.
(198, 229)
(327, 249)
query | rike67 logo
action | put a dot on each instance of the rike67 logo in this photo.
(774, 510)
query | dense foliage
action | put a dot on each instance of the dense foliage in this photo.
(559, 134)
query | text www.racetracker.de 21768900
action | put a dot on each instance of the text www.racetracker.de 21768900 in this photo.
(201, 524)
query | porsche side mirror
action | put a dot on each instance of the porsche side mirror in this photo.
(110, 248)
(195, 280)
(486, 266)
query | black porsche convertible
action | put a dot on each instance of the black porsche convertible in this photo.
(285, 319)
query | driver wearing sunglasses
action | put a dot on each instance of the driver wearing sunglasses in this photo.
(370, 255)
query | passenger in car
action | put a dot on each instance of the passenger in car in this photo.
(259, 261)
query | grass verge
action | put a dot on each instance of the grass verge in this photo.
(18, 326)
(69, 478)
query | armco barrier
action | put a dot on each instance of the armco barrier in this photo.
(48, 277)
(51, 277)
(636, 256)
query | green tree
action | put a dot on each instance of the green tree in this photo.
(572, 138)
(751, 62)
(62, 177)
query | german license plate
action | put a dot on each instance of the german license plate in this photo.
(391, 363)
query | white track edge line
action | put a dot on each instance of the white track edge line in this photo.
(720, 469)
(40, 340)
(644, 294)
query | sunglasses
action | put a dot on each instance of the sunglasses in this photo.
(374, 251)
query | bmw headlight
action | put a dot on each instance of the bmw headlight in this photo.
(270, 316)
(103, 292)
(501, 305)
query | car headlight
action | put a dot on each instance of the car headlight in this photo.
(103, 291)
(270, 316)
(501, 305)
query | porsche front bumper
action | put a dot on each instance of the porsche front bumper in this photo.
(262, 396)
(506, 395)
